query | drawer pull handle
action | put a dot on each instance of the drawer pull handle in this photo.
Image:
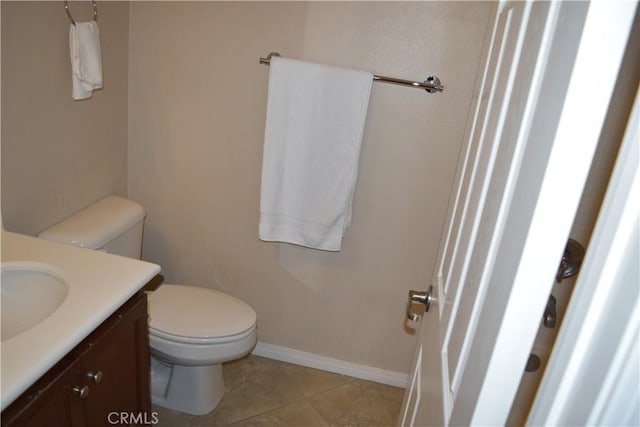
(82, 392)
(96, 377)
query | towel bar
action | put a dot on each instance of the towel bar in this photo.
(431, 84)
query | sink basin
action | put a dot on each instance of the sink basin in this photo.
(31, 292)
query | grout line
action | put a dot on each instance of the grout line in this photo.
(281, 407)
(348, 379)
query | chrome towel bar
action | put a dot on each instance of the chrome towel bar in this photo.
(431, 84)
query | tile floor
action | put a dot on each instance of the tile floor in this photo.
(265, 392)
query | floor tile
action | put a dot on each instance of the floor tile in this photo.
(263, 392)
(313, 381)
(360, 403)
(253, 385)
(298, 414)
(168, 418)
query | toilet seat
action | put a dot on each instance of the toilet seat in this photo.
(196, 315)
(200, 341)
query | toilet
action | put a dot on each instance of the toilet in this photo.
(192, 330)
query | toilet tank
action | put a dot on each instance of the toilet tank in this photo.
(113, 224)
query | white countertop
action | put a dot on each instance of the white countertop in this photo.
(99, 283)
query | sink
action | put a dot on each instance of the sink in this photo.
(31, 292)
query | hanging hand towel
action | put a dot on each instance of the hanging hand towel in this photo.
(86, 59)
(314, 126)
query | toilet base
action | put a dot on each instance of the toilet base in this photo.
(195, 390)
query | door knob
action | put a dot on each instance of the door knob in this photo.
(423, 297)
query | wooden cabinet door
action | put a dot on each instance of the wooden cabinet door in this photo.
(121, 355)
(119, 350)
(53, 403)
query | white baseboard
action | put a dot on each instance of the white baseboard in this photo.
(310, 360)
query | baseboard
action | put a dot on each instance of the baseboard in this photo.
(310, 360)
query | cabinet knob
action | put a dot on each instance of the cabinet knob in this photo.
(81, 392)
(96, 377)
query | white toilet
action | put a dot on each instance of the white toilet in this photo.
(192, 330)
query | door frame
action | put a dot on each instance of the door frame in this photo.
(593, 375)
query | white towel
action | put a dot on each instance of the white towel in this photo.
(86, 59)
(315, 121)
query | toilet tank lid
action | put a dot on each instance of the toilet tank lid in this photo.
(98, 224)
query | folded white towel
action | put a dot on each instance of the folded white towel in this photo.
(86, 59)
(315, 121)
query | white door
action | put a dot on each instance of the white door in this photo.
(528, 149)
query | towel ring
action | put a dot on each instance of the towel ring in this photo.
(95, 11)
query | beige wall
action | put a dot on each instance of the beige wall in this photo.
(59, 155)
(197, 100)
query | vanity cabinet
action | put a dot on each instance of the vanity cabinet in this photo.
(105, 376)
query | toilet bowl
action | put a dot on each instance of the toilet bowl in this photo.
(192, 330)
